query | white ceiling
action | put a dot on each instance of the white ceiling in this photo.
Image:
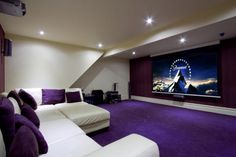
(199, 37)
(87, 22)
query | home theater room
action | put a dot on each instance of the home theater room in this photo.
(128, 78)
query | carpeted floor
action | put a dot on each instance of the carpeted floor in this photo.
(178, 132)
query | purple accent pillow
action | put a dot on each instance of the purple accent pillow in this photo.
(42, 144)
(7, 122)
(15, 96)
(24, 144)
(27, 98)
(29, 113)
(73, 97)
(53, 96)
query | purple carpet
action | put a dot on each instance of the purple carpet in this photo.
(178, 132)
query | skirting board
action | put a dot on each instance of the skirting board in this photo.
(194, 106)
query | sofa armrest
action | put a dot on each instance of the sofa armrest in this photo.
(130, 146)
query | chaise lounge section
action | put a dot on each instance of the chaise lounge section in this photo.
(89, 117)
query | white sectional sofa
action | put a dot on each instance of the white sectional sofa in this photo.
(65, 138)
(89, 117)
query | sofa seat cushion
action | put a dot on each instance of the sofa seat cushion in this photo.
(76, 146)
(57, 130)
(49, 113)
(82, 113)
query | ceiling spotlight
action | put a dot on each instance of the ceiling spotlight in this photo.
(133, 53)
(41, 32)
(182, 40)
(100, 45)
(149, 20)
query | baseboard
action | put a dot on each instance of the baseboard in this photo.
(194, 106)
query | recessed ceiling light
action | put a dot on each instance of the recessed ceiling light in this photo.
(182, 40)
(133, 53)
(149, 20)
(100, 45)
(41, 32)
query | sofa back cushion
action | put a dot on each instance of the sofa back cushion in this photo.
(2, 146)
(36, 93)
(76, 90)
(53, 96)
(15, 105)
(13, 94)
(28, 99)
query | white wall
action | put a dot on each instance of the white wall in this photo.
(38, 63)
(104, 73)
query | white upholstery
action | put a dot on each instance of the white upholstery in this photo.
(75, 146)
(95, 126)
(15, 105)
(58, 124)
(35, 92)
(49, 113)
(2, 146)
(82, 113)
(130, 146)
(75, 90)
(57, 130)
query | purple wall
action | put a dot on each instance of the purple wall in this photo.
(141, 78)
(2, 64)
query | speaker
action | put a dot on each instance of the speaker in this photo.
(178, 97)
(129, 90)
(7, 47)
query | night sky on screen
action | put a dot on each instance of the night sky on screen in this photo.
(203, 63)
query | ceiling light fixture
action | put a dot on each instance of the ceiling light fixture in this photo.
(100, 45)
(41, 32)
(182, 40)
(133, 53)
(149, 20)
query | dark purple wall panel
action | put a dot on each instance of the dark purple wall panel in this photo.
(141, 78)
(228, 72)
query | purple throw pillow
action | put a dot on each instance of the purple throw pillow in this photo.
(73, 97)
(27, 98)
(29, 113)
(24, 144)
(7, 122)
(53, 96)
(42, 144)
(15, 96)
